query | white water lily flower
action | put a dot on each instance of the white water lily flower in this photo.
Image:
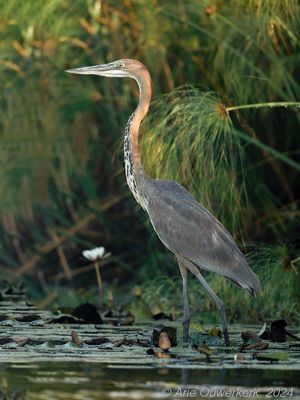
(95, 254)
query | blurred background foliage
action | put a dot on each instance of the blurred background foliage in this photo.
(62, 181)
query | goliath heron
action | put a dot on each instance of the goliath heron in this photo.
(197, 239)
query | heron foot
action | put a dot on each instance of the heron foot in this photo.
(226, 337)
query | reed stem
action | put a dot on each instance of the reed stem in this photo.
(261, 105)
(99, 281)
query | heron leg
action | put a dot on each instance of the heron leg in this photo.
(186, 309)
(220, 306)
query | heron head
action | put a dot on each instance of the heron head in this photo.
(118, 69)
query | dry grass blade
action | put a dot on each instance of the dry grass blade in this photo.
(50, 246)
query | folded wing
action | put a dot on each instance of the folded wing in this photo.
(188, 229)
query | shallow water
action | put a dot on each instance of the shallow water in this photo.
(95, 381)
(39, 360)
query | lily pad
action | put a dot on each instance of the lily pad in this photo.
(274, 356)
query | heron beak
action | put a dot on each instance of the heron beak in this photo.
(111, 70)
(92, 70)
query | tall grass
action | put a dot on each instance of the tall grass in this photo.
(60, 137)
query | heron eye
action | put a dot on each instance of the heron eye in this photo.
(122, 65)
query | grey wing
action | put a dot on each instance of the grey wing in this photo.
(188, 229)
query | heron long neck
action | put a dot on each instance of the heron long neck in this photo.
(133, 166)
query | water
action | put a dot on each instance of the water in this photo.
(95, 381)
(39, 360)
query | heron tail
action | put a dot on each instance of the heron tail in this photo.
(255, 286)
